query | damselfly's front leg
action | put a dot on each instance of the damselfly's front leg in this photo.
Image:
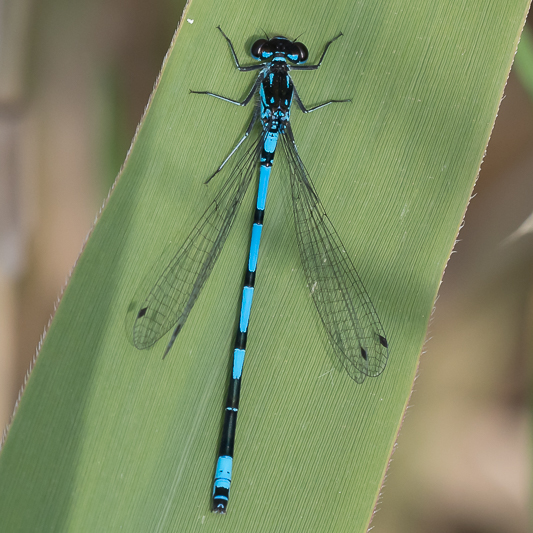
(314, 67)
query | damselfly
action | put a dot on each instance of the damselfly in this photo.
(343, 304)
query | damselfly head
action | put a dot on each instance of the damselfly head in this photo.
(264, 49)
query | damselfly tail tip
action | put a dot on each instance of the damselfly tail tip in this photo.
(219, 506)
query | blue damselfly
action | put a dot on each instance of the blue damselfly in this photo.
(348, 315)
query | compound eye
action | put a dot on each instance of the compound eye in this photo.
(259, 48)
(303, 54)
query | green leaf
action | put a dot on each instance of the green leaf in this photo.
(110, 438)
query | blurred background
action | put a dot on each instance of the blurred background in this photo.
(74, 80)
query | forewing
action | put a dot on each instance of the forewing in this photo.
(343, 304)
(171, 299)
